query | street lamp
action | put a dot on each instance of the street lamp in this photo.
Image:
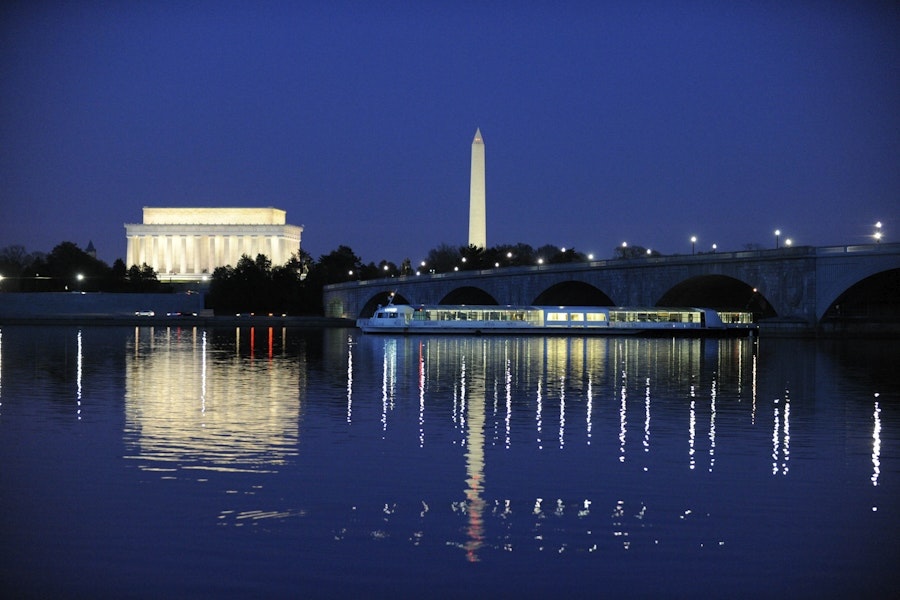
(788, 242)
(777, 235)
(714, 247)
(878, 232)
(693, 243)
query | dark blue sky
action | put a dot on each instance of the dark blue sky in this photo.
(604, 122)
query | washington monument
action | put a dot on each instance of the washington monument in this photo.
(477, 219)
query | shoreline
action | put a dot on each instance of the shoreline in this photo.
(766, 330)
(309, 321)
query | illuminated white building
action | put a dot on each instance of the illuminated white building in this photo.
(188, 243)
(477, 217)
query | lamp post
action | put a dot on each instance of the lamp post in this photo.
(693, 243)
(714, 248)
(877, 233)
(80, 278)
(787, 243)
(777, 235)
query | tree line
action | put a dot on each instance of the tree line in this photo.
(69, 268)
(255, 284)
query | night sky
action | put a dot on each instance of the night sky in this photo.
(604, 122)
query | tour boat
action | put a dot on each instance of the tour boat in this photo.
(578, 320)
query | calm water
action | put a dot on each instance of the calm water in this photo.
(287, 463)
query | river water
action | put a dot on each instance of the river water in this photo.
(279, 462)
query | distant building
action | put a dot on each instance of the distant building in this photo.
(188, 243)
(90, 250)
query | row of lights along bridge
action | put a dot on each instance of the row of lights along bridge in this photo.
(877, 236)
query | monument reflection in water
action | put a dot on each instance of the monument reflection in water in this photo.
(283, 462)
(189, 405)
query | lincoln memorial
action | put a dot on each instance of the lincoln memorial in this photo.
(188, 243)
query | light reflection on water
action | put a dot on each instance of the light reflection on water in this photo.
(726, 458)
(188, 406)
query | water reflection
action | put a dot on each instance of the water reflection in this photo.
(194, 402)
(501, 385)
(475, 504)
(350, 380)
(781, 435)
(193, 405)
(674, 459)
(78, 370)
(388, 380)
(876, 444)
(562, 374)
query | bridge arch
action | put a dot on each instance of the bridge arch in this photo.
(468, 294)
(380, 299)
(874, 297)
(720, 292)
(573, 293)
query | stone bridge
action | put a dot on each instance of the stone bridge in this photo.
(799, 286)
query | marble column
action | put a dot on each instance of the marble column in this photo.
(183, 253)
(274, 251)
(153, 253)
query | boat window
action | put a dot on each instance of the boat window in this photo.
(557, 316)
(596, 317)
(736, 317)
(576, 316)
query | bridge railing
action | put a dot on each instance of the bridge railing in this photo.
(868, 248)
